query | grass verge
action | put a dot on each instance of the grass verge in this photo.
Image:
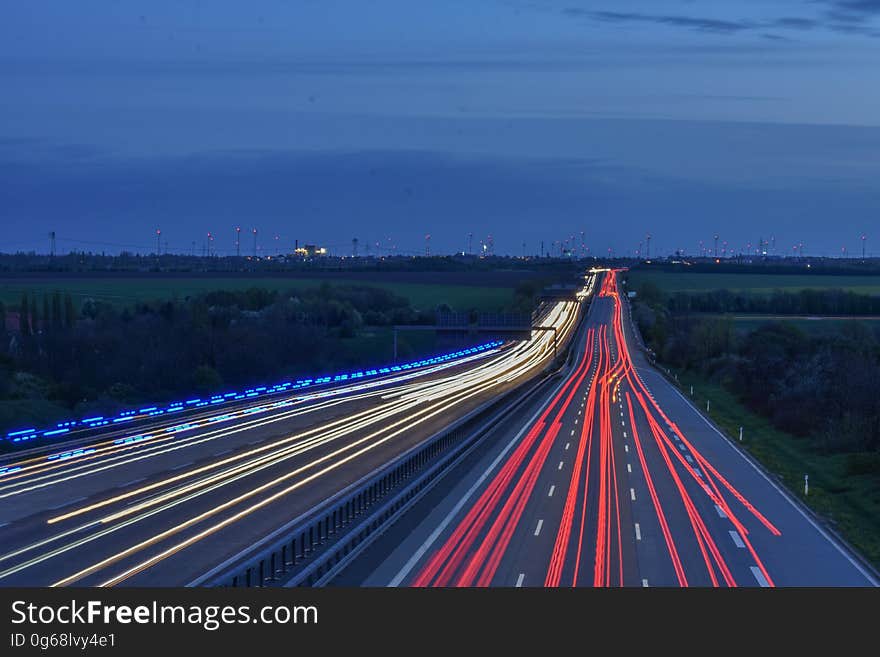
(848, 502)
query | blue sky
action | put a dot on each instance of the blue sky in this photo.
(530, 120)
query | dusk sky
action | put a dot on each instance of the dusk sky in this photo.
(530, 120)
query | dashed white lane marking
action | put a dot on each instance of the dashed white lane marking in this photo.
(519, 580)
(697, 472)
(689, 458)
(720, 511)
(560, 465)
(626, 447)
(129, 483)
(622, 424)
(621, 413)
(629, 468)
(225, 451)
(67, 503)
(736, 538)
(575, 421)
(572, 432)
(644, 583)
(552, 488)
(632, 494)
(3, 524)
(760, 577)
(538, 528)
(579, 412)
(787, 497)
(182, 465)
(624, 434)
(682, 447)
(638, 532)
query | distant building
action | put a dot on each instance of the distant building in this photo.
(311, 251)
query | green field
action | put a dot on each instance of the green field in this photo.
(752, 283)
(124, 291)
(812, 325)
(848, 500)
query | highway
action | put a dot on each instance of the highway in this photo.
(611, 478)
(161, 507)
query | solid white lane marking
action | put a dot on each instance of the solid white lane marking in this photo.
(760, 577)
(538, 528)
(736, 538)
(720, 511)
(428, 542)
(632, 494)
(629, 468)
(519, 580)
(552, 488)
(567, 445)
(67, 503)
(560, 465)
(873, 580)
(638, 532)
(644, 583)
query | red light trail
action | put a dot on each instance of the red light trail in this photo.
(590, 524)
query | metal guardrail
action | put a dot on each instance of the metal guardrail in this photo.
(307, 549)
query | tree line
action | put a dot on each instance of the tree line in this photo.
(102, 357)
(818, 386)
(779, 302)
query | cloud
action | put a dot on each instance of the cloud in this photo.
(795, 23)
(700, 24)
(845, 16)
(854, 10)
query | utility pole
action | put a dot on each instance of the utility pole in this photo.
(648, 246)
(427, 245)
(238, 241)
(542, 248)
(255, 242)
(52, 243)
(716, 246)
(864, 239)
(158, 242)
(354, 247)
(470, 244)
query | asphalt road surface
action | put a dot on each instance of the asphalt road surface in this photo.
(612, 478)
(162, 507)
